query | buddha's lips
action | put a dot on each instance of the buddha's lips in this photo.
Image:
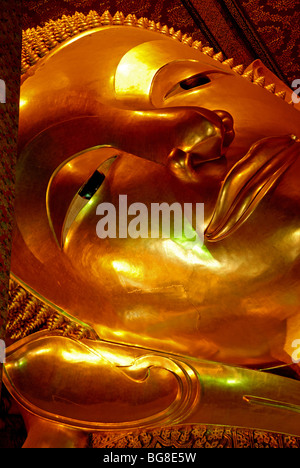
(248, 182)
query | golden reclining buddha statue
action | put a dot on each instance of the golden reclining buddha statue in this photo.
(177, 332)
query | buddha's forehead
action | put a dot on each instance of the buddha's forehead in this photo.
(137, 69)
(114, 63)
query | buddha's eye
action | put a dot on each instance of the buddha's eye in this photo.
(92, 185)
(85, 194)
(194, 82)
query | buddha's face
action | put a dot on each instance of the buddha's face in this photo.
(164, 123)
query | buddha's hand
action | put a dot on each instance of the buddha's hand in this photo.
(90, 384)
(248, 182)
(95, 385)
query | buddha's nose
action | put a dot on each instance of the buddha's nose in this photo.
(205, 133)
(153, 134)
(227, 122)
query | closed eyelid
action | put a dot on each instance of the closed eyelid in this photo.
(85, 194)
(182, 76)
(192, 82)
(73, 185)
